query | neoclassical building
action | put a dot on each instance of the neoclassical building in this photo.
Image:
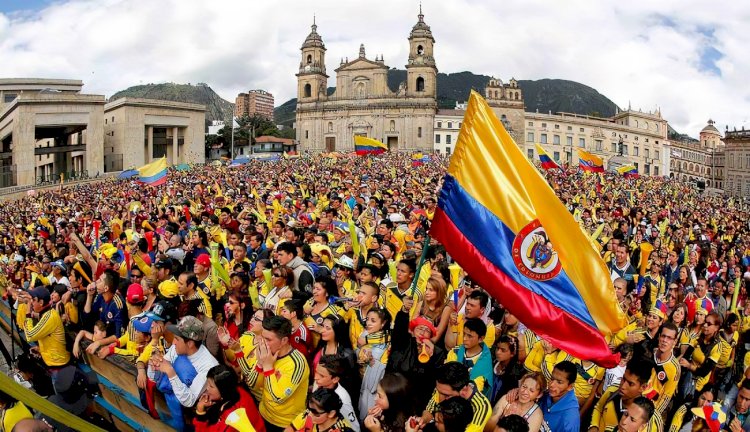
(362, 103)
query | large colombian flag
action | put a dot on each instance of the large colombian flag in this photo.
(364, 145)
(547, 162)
(589, 162)
(502, 223)
(155, 173)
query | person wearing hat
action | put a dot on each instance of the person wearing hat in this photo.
(167, 286)
(163, 312)
(44, 326)
(346, 278)
(408, 340)
(71, 395)
(202, 271)
(59, 274)
(187, 336)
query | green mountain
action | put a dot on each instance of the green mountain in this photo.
(216, 107)
(545, 95)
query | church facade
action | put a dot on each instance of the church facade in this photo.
(362, 103)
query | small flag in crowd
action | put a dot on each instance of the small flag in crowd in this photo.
(418, 159)
(364, 146)
(523, 245)
(547, 162)
(589, 162)
(628, 171)
(155, 173)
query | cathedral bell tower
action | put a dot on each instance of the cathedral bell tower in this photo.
(421, 72)
(312, 80)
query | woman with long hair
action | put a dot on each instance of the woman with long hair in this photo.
(435, 307)
(334, 339)
(222, 396)
(678, 317)
(393, 405)
(507, 369)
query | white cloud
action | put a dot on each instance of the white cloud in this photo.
(638, 51)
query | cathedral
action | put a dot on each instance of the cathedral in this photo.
(362, 103)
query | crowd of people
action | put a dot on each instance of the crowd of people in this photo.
(308, 292)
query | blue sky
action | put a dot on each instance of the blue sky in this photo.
(9, 6)
(684, 57)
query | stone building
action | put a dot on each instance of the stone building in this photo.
(49, 130)
(138, 131)
(737, 163)
(362, 103)
(698, 161)
(628, 137)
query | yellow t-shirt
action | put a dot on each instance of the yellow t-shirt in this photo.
(14, 415)
(607, 412)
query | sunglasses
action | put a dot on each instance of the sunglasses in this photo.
(315, 412)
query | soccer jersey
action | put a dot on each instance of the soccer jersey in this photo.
(285, 389)
(480, 407)
(608, 410)
(664, 381)
(48, 332)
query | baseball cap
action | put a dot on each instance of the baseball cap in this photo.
(163, 311)
(164, 264)
(60, 264)
(134, 294)
(203, 260)
(345, 261)
(40, 293)
(189, 327)
(143, 322)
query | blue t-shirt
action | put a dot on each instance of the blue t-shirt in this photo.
(561, 416)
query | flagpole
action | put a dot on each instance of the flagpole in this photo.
(422, 258)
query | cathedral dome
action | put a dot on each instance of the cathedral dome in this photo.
(313, 40)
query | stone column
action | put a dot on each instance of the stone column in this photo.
(150, 146)
(175, 147)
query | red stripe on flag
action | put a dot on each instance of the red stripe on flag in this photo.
(570, 335)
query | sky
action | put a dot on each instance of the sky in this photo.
(687, 58)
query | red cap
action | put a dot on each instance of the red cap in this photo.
(422, 321)
(135, 293)
(203, 260)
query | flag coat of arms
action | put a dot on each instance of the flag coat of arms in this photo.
(504, 225)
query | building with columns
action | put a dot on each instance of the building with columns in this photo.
(138, 131)
(362, 103)
(50, 130)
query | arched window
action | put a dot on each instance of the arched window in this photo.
(361, 90)
(420, 84)
(496, 94)
(330, 126)
(517, 96)
(420, 50)
(393, 125)
(309, 59)
(308, 90)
